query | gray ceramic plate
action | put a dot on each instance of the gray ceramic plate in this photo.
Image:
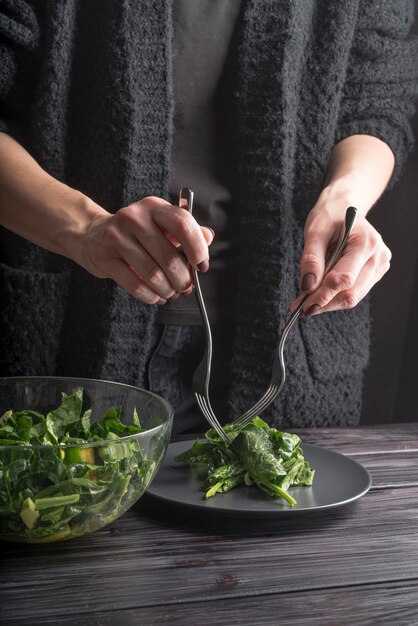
(338, 480)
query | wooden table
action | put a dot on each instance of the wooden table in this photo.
(161, 565)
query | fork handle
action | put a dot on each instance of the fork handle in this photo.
(345, 232)
(186, 202)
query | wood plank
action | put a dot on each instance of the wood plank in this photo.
(156, 554)
(385, 604)
(390, 470)
(360, 439)
(364, 439)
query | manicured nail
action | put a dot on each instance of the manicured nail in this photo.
(161, 301)
(308, 281)
(174, 296)
(312, 310)
(203, 266)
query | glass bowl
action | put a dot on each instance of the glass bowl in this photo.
(52, 492)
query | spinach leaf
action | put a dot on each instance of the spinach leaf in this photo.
(256, 454)
(67, 413)
(198, 453)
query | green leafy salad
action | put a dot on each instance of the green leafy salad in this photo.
(49, 492)
(256, 454)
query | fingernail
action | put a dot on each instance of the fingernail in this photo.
(187, 292)
(312, 310)
(161, 301)
(174, 296)
(308, 281)
(203, 266)
(211, 230)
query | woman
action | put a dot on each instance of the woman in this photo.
(266, 109)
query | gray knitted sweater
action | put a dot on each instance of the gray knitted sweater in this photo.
(86, 88)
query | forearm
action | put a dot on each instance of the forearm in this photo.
(39, 208)
(359, 170)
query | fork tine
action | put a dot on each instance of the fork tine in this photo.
(200, 388)
(271, 392)
(265, 400)
(208, 413)
(203, 407)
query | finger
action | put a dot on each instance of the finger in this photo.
(127, 278)
(296, 303)
(186, 230)
(149, 270)
(370, 274)
(307, 266)
(161, 256)
(343, 276)
(166, 257)
(207, 232)
(313, 258)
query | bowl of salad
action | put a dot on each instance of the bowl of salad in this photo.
(75, 454)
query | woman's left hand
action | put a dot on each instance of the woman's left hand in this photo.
(365, 259)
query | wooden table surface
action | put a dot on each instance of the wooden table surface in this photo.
(162, 565)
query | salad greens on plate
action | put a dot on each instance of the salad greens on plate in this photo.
(256, 455)
(62, 475)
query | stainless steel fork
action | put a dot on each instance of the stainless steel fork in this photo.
(202, 374)
(278, 375)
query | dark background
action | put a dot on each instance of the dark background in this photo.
(391, 384)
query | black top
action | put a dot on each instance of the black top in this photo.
(200, 155)
(87, 88)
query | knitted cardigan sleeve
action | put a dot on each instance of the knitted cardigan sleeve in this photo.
(19, 42)
(381, 84)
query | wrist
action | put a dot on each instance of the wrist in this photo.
(359, 169)
(339, 194)
(77, 216)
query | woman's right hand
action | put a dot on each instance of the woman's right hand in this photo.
(137, 247)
